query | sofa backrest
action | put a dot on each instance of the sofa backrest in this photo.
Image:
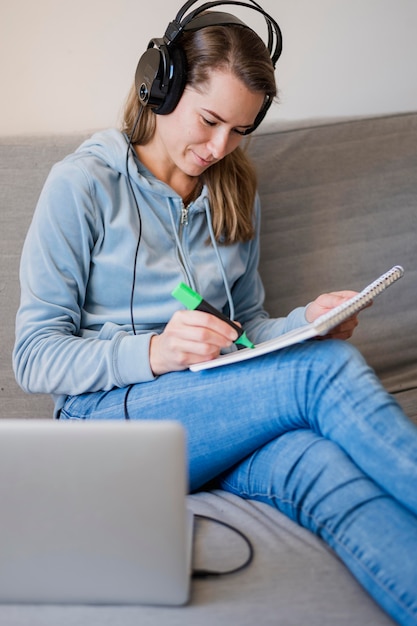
(339, 208)
(24, 165)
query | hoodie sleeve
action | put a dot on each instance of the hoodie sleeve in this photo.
(50, 355)
(249, 294)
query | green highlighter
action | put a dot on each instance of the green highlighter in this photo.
(193, 301)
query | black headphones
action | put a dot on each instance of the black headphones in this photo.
(161, 72)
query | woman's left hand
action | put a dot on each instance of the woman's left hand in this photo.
(325, 303)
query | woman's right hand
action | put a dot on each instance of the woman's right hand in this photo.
(189, 337)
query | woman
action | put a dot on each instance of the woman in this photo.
(172, 198)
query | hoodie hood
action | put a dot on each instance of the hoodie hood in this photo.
(110, 146)
(114, 150)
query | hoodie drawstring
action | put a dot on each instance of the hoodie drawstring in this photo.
(219, 260)
(185, 264)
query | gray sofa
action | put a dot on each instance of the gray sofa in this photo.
(339, 208)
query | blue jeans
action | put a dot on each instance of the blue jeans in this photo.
(311, 431)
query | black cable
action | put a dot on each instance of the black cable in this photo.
(129, 147)
(132, 292)
(198, 573)
(204, 573)
(125, 409)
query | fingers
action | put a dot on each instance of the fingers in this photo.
(326, 302)
(344, 330)
(189, 337)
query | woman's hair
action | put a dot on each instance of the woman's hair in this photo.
(232, 181)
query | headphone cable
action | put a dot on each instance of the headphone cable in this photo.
(130, 147)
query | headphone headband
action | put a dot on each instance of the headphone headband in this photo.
(180, 23)
(161, 72)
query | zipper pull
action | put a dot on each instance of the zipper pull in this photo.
(184, 216)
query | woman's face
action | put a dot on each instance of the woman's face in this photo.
(207, 123)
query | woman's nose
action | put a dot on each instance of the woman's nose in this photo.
(218, 143)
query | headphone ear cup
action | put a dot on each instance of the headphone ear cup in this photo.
(160, 77)
(148, 77)
(177, 80)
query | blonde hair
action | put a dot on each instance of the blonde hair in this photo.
(232, 181)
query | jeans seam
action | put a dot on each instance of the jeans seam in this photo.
(397, 598)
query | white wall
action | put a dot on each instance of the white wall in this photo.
(67, 66)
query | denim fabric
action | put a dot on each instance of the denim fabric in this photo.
(311, 431)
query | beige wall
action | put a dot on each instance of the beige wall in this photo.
(67, 66)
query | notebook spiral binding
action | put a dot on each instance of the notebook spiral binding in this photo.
(361, 300)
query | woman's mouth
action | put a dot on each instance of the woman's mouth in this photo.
(201, 161)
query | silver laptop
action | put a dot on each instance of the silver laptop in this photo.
(93, 512)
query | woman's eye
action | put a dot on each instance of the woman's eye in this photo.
(212, 123)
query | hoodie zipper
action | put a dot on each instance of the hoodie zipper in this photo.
(183, 223)
(183, 219)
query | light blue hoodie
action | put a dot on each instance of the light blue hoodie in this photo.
(74, 328)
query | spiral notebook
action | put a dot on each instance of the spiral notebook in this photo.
(321, 326)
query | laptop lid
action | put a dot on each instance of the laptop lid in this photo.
(93, 512)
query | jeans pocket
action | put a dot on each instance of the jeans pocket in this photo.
(73, 409)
